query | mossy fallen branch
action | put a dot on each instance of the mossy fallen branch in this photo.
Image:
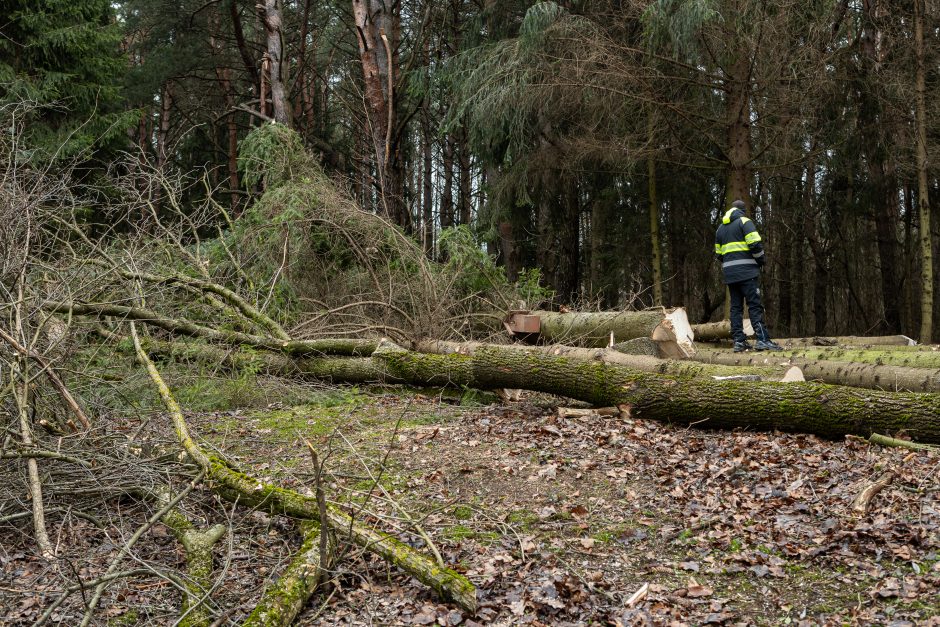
(285, 599)
(250, 491)
(198, 546)
(340, 346)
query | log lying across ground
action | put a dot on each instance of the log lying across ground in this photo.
(721, 330)
(853, 373)
(802, 407)
(848, 340)
(880, 355)
(670, 328)
(674, 367)
(341, 346)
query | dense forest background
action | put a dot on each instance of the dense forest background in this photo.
(597, 142)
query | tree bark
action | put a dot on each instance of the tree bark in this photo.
(923, 201)
(276, 66)
(738, 112)
(669, 327)
(647, 363)
(848, 340)
(856, 374)
(802, 407)
(351, 347)
(377, 31)
(910, 359)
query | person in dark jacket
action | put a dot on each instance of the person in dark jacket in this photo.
(739, 249)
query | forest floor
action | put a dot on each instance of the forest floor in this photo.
(558, 521)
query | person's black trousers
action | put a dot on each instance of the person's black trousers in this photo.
(749, 291)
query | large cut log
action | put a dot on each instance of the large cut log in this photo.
(721, 330)
(848, 340)
(675, 367)
(670, 328)
(853, 373)
(881, 356)
(801, 407)
(329, 369)
(250, 491)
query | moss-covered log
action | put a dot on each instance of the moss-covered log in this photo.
(330, 369)
(250, 491)
(802, 407)
(674, 367)
(337, 346)
(855, 374)
(668, 327)
(285, 599)
(198, 546)
(874, 356)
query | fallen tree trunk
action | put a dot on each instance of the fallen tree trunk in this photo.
(910, 359)
(198, 546)
(670, 328)
(247, 490)
(330, 369)
(721, 330)
(855, 374)
(802, 407)
(849, 340)
(342, 346)
(674, 367)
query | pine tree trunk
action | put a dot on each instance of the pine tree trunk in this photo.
(276, 65)
(923, 201)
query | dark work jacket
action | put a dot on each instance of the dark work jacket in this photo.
(738, 247)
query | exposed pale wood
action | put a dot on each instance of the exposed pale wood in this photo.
(721, 330)
(669, 327)
(863, 501)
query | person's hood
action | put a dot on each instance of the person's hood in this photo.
(731, 215)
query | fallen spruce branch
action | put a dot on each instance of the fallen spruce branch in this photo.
(249, 491)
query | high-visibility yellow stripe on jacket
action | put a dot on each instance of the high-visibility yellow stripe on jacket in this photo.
(738, 246)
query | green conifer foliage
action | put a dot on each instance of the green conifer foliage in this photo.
(64, 57)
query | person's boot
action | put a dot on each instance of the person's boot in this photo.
(740, 347)
(768, 345)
